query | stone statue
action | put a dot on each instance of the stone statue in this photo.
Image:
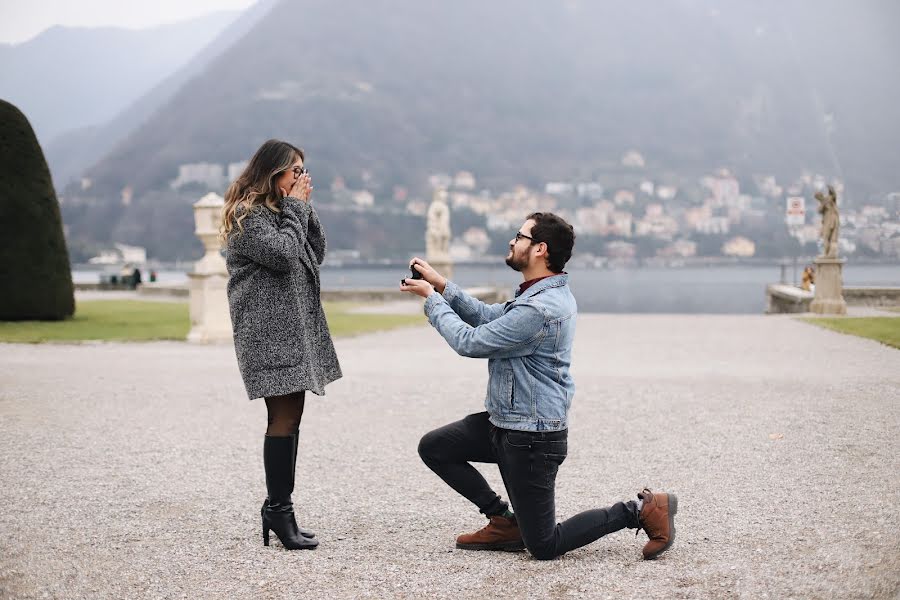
(437, 237)
(831, 222)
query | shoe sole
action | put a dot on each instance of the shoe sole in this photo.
(672, 501)
(504, 547)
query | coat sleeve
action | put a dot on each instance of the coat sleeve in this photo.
(276, 247)
(316, 235)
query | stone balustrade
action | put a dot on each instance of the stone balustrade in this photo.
(783, 298)
(875, 297)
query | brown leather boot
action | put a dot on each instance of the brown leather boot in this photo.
(657, 518)
(500, 533)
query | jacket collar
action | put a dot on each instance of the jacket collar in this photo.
(549, 282)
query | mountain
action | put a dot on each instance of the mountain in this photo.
(529, 91)
(71, 77)
(70, 153)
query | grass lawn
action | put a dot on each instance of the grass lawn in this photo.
(342, 323)
(883, 329)
(138, 321)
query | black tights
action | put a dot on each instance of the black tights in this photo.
(285, 413)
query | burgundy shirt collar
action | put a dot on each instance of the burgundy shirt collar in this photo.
(531, 282)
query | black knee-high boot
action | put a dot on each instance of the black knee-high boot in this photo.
(309, 533)
(278, 514)
(303, 531)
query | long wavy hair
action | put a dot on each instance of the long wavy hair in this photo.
(257, 184)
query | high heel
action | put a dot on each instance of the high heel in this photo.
(307, 533)
(285, 527)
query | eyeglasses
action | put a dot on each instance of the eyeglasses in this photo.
(300, 171)
(520, 235)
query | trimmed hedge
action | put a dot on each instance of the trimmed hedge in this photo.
(35, 276)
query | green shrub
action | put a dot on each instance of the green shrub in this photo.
(35, 276)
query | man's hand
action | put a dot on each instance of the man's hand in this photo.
(431, 276)
(419, 287)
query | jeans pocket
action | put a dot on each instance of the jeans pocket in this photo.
(519, 439)
(550, 467)
(556, 459)
(556, 448)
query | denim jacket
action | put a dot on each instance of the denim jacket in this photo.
(528, 344)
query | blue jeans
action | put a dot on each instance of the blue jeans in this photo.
(528, 463)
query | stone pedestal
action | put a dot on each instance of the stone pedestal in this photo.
(210, 319)
(829, 299)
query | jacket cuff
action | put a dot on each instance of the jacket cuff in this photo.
(432, 301)
(451, 291)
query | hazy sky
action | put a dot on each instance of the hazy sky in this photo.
(21, 20)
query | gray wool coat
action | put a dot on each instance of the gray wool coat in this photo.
(281, 337)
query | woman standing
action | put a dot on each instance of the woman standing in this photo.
(274, 246)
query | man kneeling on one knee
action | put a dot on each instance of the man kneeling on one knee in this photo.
(528, 344)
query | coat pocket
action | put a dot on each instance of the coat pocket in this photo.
(268, 343)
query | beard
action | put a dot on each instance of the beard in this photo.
(516, 263)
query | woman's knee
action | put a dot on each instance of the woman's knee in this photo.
(285, 425)
(284, 414)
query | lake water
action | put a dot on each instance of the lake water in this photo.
(718, 289)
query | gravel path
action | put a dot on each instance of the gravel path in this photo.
(134, 470)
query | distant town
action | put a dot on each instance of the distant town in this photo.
(632, 218)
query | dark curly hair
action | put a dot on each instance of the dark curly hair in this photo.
(557, 234)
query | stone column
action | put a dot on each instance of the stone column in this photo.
(829, 298)
(210, 319)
